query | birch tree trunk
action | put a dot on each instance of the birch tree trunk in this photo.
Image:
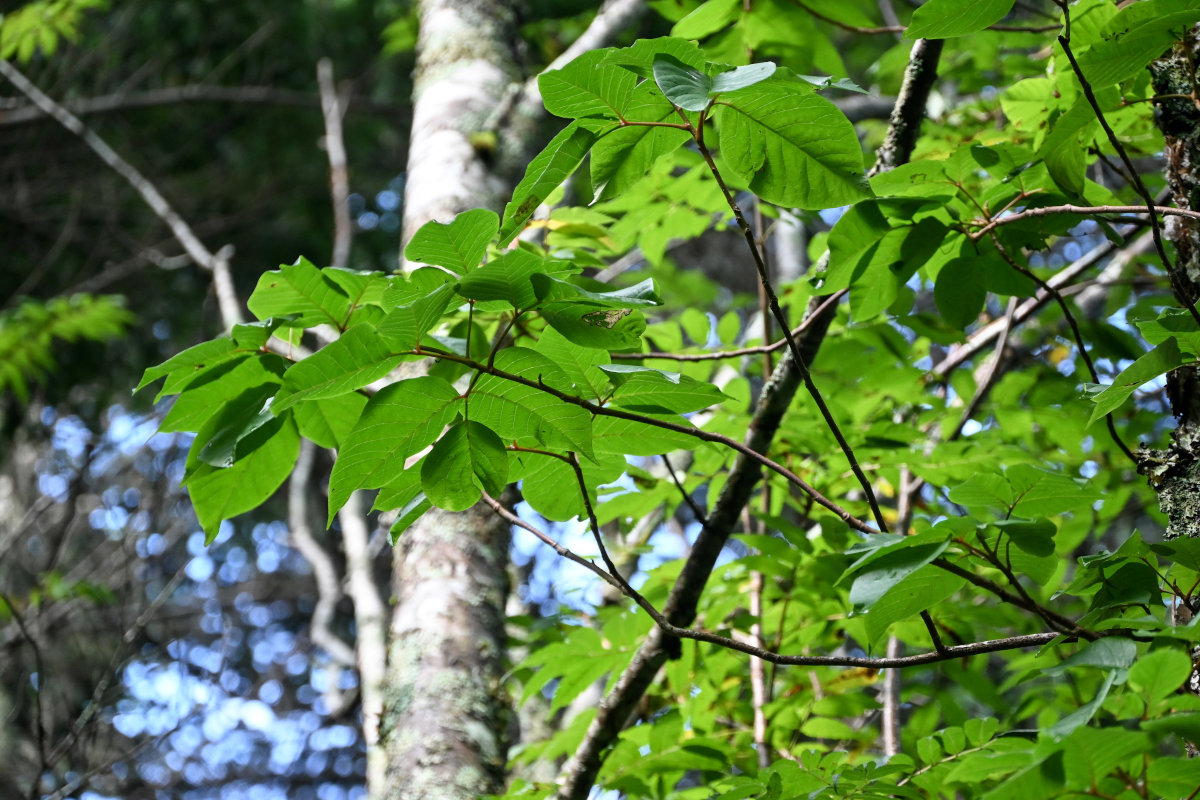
(443, 724)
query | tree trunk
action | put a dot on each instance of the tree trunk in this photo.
(444, 718)
(1175, 472)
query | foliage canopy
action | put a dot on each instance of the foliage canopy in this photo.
(955, 479)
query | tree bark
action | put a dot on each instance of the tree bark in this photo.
(444, 716)
(1175, 472)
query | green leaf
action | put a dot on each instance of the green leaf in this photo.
(1159, 361)
(356, 358)
(187, 366)
(623, 157)
(458, 246)
(943, 19)
(239, 418)
(708, 18)
(1137, 35)
(204, 396)
(550, 487)
(684, 86)
(525, 414)
(742, 77)
(643, 389)
(587, 87)
(791, 146)
(219, 494)
(614, 435)
(301, 290)
(561, 157)
(960, 291)
(405, 325)
(891, 568)
(1035, 537)
(639, 57)
(469, 458)
(579, 365)
(1107, 653)
(328, 422)
(919, 591)
(397, 423)
(505, 278)
(1160, 674)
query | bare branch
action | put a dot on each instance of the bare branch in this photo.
(370, 624)
(218, 263)
(15, 113)
(333, 107)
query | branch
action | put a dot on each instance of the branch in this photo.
(982, 337)
(333, 107)
(1138, 185)
(329, 589)
(1046, 211)
(832, 300)
(581, 769)
(20, 114)
(613, 576)
(370, 622)
(708, 436)
(217, 264)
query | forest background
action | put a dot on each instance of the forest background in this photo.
(956, 558)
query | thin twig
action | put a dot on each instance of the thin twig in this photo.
(1076, 334)
(217, 263)
(1138, 185)
(38, 684)
(781, 318)
(17, 113)
(1045, 211)
(696, 433)
(741, 351)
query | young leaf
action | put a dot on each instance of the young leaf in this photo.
(467, 459)
(397, 423)
(458, 246)
(943, 19)
(741, 77)
(684, 86)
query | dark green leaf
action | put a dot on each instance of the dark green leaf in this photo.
(219, 494)
(684, 86)
(467, 459)
(1162, 359)
(587, 87)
